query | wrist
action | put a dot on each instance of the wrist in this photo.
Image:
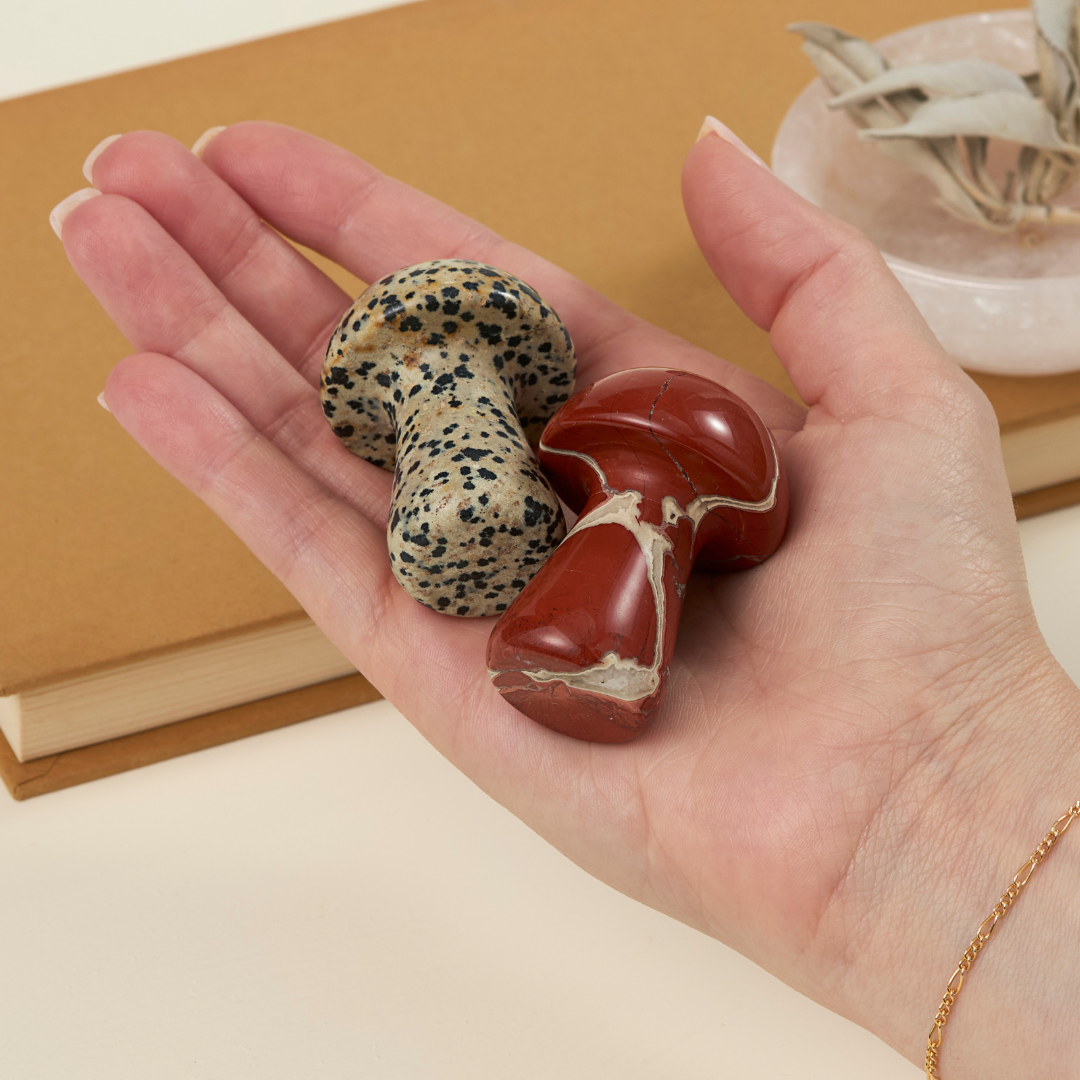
(981, 794)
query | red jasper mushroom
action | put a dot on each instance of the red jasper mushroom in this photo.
(667, 471)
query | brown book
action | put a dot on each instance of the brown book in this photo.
(561, 123)
(1040, 437)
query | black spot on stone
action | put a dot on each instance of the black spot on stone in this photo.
(339, 376)
(504, 304)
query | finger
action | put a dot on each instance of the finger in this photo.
(334, 203)
(330, 556)
(288, 300)
(329, 200)
(162, 302)
(842, 325)
(334, 561)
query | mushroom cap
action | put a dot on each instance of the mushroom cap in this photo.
(673, 434)
(433, 323)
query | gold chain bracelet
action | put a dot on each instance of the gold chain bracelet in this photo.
(933, 1042)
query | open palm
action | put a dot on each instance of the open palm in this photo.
(815, 703)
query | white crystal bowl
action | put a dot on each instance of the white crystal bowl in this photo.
(1002, 303)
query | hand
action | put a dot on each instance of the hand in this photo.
(852, 758)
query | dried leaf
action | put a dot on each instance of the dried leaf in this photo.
(1058, 64)
(952, 78)
(918, 154)
(1054, 19)
(1056, 76)
(836, 75)
(978, 184)
(859, 56)
(840, 76)
(977, 101)
(996, 115)
(1050, 175)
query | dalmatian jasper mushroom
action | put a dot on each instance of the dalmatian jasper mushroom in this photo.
(445, 373)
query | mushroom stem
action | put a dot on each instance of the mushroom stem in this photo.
(473, 516)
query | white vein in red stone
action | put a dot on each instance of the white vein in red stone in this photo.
(616, 676)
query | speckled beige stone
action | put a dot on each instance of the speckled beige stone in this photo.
(446, 372)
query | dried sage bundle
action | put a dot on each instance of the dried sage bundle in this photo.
(939, 118)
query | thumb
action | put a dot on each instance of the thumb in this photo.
(850, 337)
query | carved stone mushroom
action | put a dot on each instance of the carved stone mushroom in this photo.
(445, 372)
(668, 472)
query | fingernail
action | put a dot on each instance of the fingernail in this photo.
(712, 126)
(101, 402)
(205, 139)
(88, 164)
(61, 210)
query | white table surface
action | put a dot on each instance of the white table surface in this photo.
(335, 900)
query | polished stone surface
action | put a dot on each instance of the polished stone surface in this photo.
(445, 372)
(667, 472)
